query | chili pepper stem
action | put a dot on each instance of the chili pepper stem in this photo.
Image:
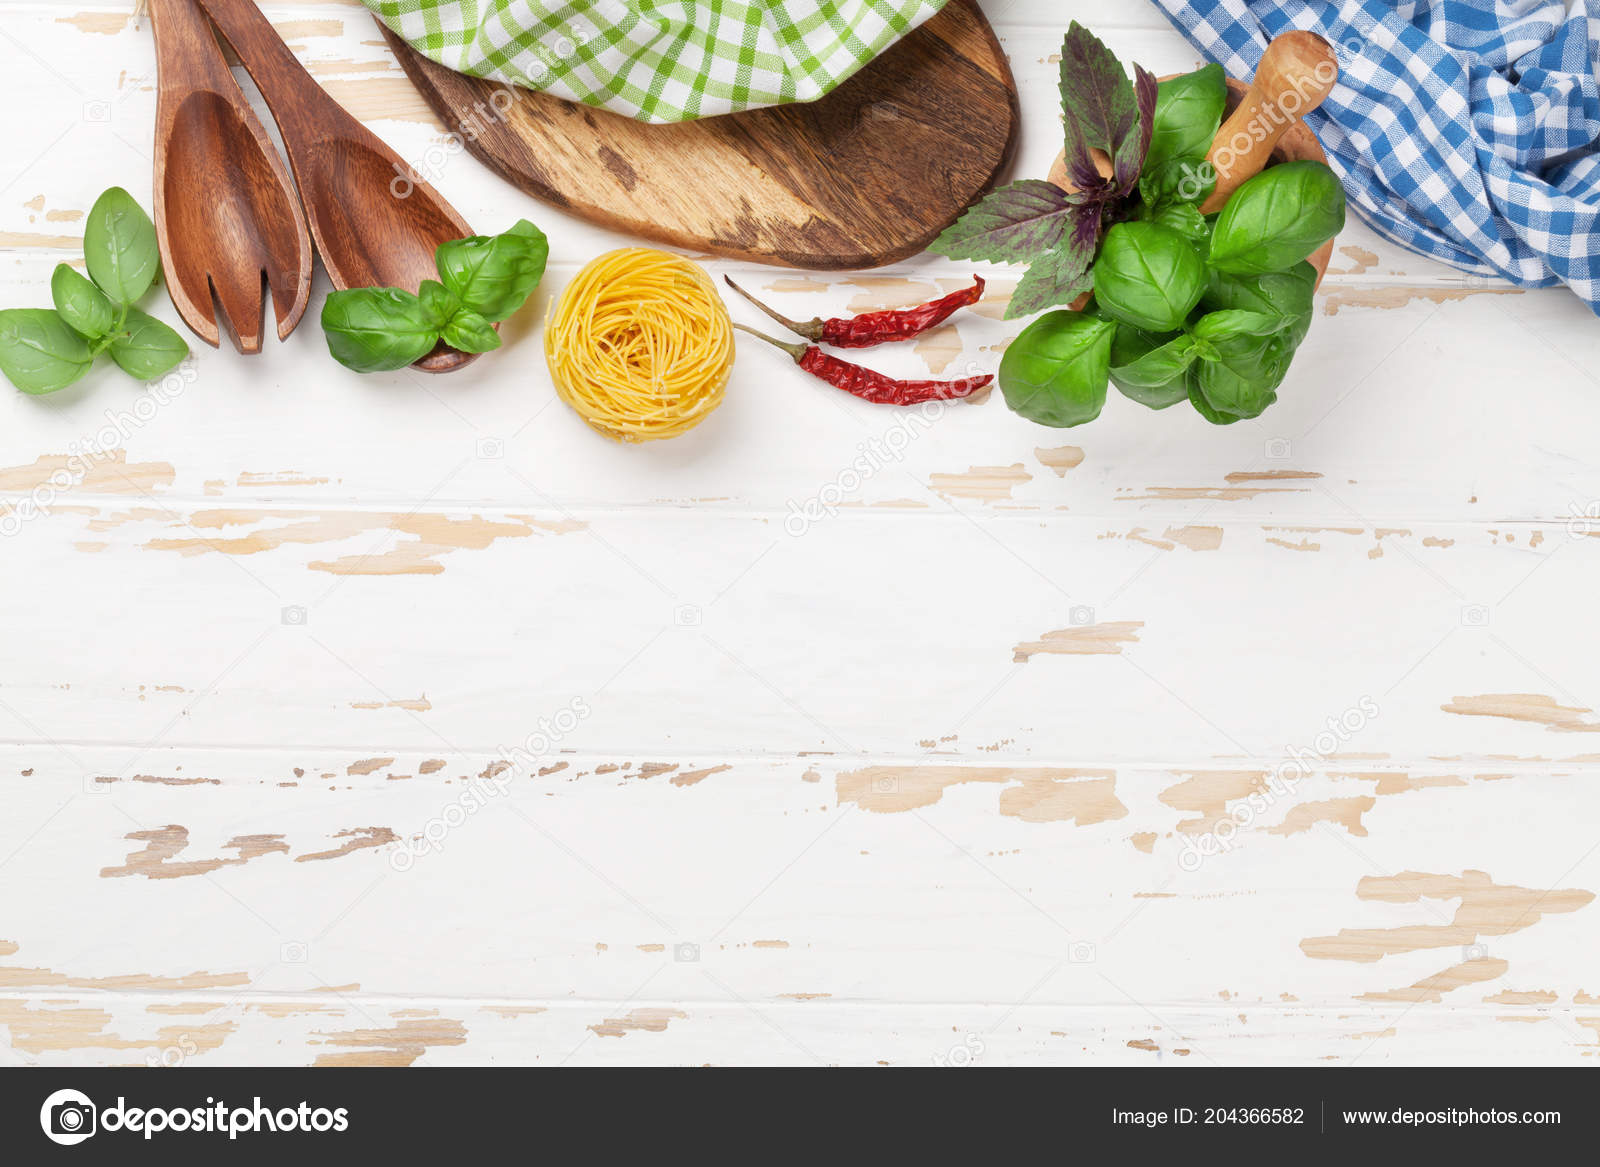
(810, 329)
(797, 351)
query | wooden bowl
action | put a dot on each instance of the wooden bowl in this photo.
(1298, 144)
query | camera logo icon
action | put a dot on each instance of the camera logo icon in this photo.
(1081, 616)
(294, 615)
(1475, 616)
(68, 1117)
(686, 616)
(1279, 449)
(97, 111)
(490, 449)
(685, 953)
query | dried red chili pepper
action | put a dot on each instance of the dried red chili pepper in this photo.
(867, 384)
(873, 328)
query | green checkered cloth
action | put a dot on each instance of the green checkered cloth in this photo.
(658, 60)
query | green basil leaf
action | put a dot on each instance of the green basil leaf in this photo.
(1287, 293)
(1278, 218)
(1234, 322)
(438, 301)
(1130, 343)
(493, 275)
(1055, 373)
(1227, 390)
(1158, 378)
(1245, 358)
(1281, 348)
(1188, 114)
(374, 330)
(1299, 327)
(119, 247)
(1148, 276)
(146, 348)
(1177, 180)
(39, 351)
(470, 333)
(1202, 406)
(1186, 220)
(81, 304)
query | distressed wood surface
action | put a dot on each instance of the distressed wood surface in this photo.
(399, 720)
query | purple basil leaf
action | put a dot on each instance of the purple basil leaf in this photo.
(1011, 225)
(1103, 191)
(1078, 157)
(1062, 275)
(1086, 230)
(1135, 147)
(1096, 96)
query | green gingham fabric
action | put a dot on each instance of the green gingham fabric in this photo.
(658, 60)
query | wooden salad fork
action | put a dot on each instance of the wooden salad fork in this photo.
(227, 218)
(375, 222)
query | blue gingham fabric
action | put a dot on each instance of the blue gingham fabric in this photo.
(1466, 130)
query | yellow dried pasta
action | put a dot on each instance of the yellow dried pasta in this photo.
(640, 345)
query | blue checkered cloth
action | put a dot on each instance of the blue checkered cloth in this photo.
(1466, 130)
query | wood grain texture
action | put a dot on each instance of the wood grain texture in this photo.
(864, 177)
(375, 222)
(227, 216)
(394, 720)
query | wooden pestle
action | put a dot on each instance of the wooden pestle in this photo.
(1297, 72)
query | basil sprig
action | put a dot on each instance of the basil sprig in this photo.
(46, 349)
(482, 280)
(1186, 306)
(1057, 232)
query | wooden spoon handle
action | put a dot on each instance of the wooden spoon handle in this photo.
(187, 54)
(299, 105)
(1297, 72)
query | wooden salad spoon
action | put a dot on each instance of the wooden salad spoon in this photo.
(1296, 74)
(226, 215)
(376, 223)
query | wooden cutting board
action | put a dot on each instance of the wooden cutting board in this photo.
(866, 176)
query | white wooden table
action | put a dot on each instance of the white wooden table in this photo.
(1146, 742)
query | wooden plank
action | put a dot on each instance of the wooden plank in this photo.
(283, 914)
(875, 630)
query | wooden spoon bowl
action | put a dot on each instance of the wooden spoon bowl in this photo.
(227, 219)
(376, 223)
(360, 247)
